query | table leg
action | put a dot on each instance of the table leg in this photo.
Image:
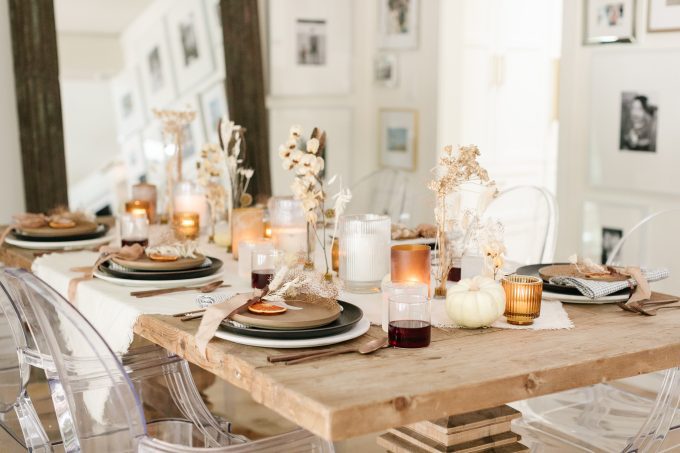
(472, 432)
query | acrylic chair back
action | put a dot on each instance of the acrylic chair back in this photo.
(79, 367)
(382, 192)
(529, 215)
(652, 242)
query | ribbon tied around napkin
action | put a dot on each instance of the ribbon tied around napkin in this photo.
(215, 313)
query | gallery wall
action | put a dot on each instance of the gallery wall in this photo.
(11, 180)
(615, 199)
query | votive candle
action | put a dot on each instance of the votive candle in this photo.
(246, 223)
(147, 192)
(411, 263)
(522, 299)
(187, 224)
(138, 208)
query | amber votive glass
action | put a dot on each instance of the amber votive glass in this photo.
(411, 263)
(522, 298)
(246, 223)
(267, 229)
(146, 192)
(186, 224)
(138, 208)
(335, 255)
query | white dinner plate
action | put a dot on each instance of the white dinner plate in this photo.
(358, 330)
(61, 245)
(156, 283)
(579, 299)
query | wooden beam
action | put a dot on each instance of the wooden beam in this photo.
(245, 86)
(36, 69)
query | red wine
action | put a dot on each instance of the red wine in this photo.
(261, 278)
(409, 334)
(454, 274)
(143, 242)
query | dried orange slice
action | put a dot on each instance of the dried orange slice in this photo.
(263, 308)
(163, 258)
(62, 223)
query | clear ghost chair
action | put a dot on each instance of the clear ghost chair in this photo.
(95, 400)
(606, 417)
(382, 192)
(529, 215)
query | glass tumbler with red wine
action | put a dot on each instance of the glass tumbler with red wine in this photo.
(134, 229)
(409, 321)
(264, 265)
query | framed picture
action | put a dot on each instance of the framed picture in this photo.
(386, 70)
(608, 21)
(398, 138)
(133, 157)
(213, 14)
(194, 139)
(155, 68)
(127, 102)
(604, 224)
(633, 138)
(189, 44)
(213, 107)
(398, 24)
(310, 47)
(664, 15)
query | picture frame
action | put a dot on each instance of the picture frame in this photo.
(386, 70)
(310, 42)
(133, 156)
(609, 21)
(127, 102)
(190, 44)
(633, 138)
(398, 142)
(213, 107)
(663, 16)
(398, 24)
(213, 13)
(154, 63)
(194, 138)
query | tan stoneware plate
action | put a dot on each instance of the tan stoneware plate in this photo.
(569, 270)
(147, 264)
(311, 315)
(47, 232)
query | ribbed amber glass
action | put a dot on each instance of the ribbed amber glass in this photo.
(522, 298)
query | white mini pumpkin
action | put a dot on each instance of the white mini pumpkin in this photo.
(475, 302)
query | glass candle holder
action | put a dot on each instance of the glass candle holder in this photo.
(264, 264)
(246, 223)
(522, 298)
(335, 255)
(147, 192)
(411, 263)
(186, 224)
(222, 235)
(139, 208)
(134, 229)
(288, 224)
(245, 249)
(409, 321)
(190, 197)
(364, 251)
(391, 289)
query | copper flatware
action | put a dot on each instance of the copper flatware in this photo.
(366, 348)
(186, 313)
(207, 288)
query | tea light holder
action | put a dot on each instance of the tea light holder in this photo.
(138, 208)
(522, 299)
(246, 223)
(364, 251)
(288, 224)
(190, 197)
(186, 224)
(147, 192)
(411, 263)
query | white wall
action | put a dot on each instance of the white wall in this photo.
(11, 180)
(573, 187)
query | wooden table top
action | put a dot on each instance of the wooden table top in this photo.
(462, 370)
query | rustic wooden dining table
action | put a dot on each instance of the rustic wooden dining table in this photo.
(461, 371)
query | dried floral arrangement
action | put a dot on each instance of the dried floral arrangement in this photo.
(221, 173)
(490, 240)
(304, 158)
(456, 226)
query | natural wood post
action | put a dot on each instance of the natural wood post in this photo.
(36, 75)
(245, 86)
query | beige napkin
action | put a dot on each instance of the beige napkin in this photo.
(642, 290)
(216, 313)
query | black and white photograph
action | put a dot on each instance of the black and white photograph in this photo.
(609, 21)
(155, 69)
(127, 102)
(386, 70)
(398, 24)
(189, 45)
(610, 237)
(311, 41)
(398, 16)
(638, 122)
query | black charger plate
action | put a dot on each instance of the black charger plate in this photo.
(351, 314)
(101, 231)
(215, 266)
(532, 270)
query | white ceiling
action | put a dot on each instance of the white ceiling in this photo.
(97, 16)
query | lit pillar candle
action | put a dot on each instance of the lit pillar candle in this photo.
(522, 298)
(246, 223)
(288, 224)
(187, 224)
(364, 251)
(190, 198)
(137, 208)
(146, 192)
(410, 263)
